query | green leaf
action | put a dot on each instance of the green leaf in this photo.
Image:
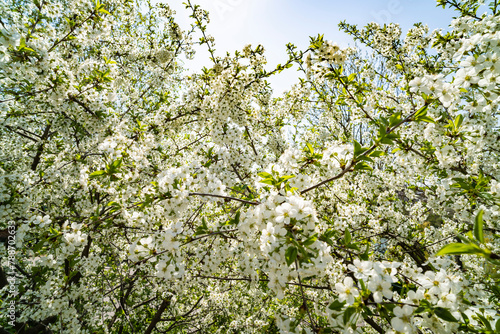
(377, 154)
(390, 307)
(365, 158)
(291, 255)
(268, 181)
(464, 239)
(38, 246)
(485, 321)
(458, 121)
(357, 148)
(310, 148)
(286, 177)
(203, 229)
(459, 248)
(236, 219)
(265, 175)
(347, 237)
(309, 241)
(421, 115)
(426, 119)
(367, 311)
(382, 131)
(366, 255)
(326, 237)
(71, 275)
(348, 314)
(362, 166)
(465, 318)
(420, 309)
(387, 141)
(478, 227)
(421, 112)
(114, 166)
(54, 232)
(102, 10)
(353, 246)
(97, 174)
(395, 119)
(444, 314)
(384, 122)
(336, 305)
(460, 183)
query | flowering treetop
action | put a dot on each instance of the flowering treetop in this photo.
(365, 199)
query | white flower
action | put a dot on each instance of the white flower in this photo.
(42, 221)
(147, 242)
(490, 80)
(164, 271)
(415, 84)
(137, 251)
(403, 320)
(387, 270)
(284, 213)
(448, 300)
(465, 77)
(347, 291)
(361, 269)
(435, 282)
(303, 208)
(168, 243)
(446, 95)
(268, 238)
(380, 288)
(414, 297)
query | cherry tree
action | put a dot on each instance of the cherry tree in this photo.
(135, 198)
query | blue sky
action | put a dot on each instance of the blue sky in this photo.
(274, 23)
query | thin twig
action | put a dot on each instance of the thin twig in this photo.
(225, 197)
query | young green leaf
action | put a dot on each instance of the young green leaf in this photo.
(444, 314)
(458, 121)
(377, 154)
(421, 112)
(265, 175)
(459, 248)
(310, 148)
(348, 314)
(478, 227)
(395, 119)
(291, 255)
(347, 237)
(309, 241)
(366, 255)
(97, 174)
(236, 220)
(38, 246)
(362, 166)
(336, 305)
(357, 148)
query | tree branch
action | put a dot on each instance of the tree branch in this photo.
(39, 150)
(225, 197)
(157, 317)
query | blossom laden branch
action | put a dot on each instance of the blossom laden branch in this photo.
(225, 197)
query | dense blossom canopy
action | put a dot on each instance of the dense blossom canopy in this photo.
(135, 198)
